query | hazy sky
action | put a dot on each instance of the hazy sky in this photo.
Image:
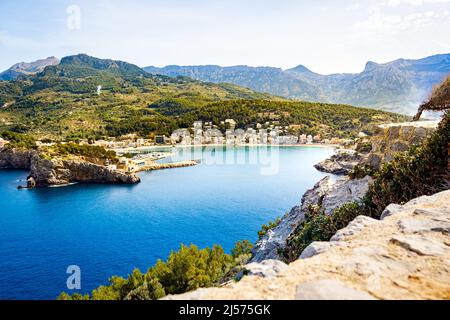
(326, 36)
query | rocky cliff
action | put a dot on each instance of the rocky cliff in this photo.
(392, 138)
(60, 172)
(342, 163)
(16, 158)
(328, 193)
(331, 193)
(45, 172)
(386, 142)
(403, 256)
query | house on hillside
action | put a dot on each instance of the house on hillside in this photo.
(3, 143)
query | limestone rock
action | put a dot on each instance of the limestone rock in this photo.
(421, 245)
(31, 183)
(414, 225)
(266, 268)
(397, 137)
(318, 247)
(329, 290)
(45, 172)
(343, 191)
(376, 260)
(342, 163)
(353, 228)
(328, 193)
(59, 172)
(391, 210)
(16, 158)
(275, 239)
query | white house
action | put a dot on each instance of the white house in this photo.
(3, 143)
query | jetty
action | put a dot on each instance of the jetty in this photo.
(160, 166)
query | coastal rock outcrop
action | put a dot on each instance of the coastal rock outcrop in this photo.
(327, 193)
(388, 140)
(403, 256)
(396, 137)
(266, 268)
(59, 172)
(47, 172)
(16, 158)
(342, 163)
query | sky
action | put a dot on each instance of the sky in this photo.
(327, 36)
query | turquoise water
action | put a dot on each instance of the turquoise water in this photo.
(110, 229)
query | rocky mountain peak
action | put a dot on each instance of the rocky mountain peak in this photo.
(370, 65)
(301, 69)
(28, 68)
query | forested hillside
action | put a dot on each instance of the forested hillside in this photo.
(398, 86)
(86, 97)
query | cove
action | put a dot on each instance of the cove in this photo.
(111, 229)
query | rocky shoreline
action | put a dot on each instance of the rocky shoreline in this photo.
(53, 172)
(328, 193)
(342, 163)
(404, 255)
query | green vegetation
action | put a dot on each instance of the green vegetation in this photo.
(423, 170)
(439, 100)
(86, 151)
(243, 247)
(361, 171)
(364, 147)
(265, 228)
(188, 269)
(61, 104)
(302, 117)
(319, 226)
(18, 140)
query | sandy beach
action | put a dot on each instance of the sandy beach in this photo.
(156, 147)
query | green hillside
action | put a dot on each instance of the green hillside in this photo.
(62, 103)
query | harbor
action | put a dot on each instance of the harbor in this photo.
(148, 162)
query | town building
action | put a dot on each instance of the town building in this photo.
(160, 139)
(231, 123)
(3, 143)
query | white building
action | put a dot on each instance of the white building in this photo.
(231, 123)
(3, 143)
(303, 139)
(198, 125)
(230, 137)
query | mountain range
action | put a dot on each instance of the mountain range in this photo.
(399, 86)
(84, 97)
(28, 68)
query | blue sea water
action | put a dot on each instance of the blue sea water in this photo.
(111, 229)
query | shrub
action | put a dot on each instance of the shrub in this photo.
(361, 171)
(70, 149)
(364, 147)
(265, 228)
(75, 296)
(241, 248)
(18, 140)
(423, 170)
(191, 268)
(319, 226)
(420, 171)
(187, 269)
